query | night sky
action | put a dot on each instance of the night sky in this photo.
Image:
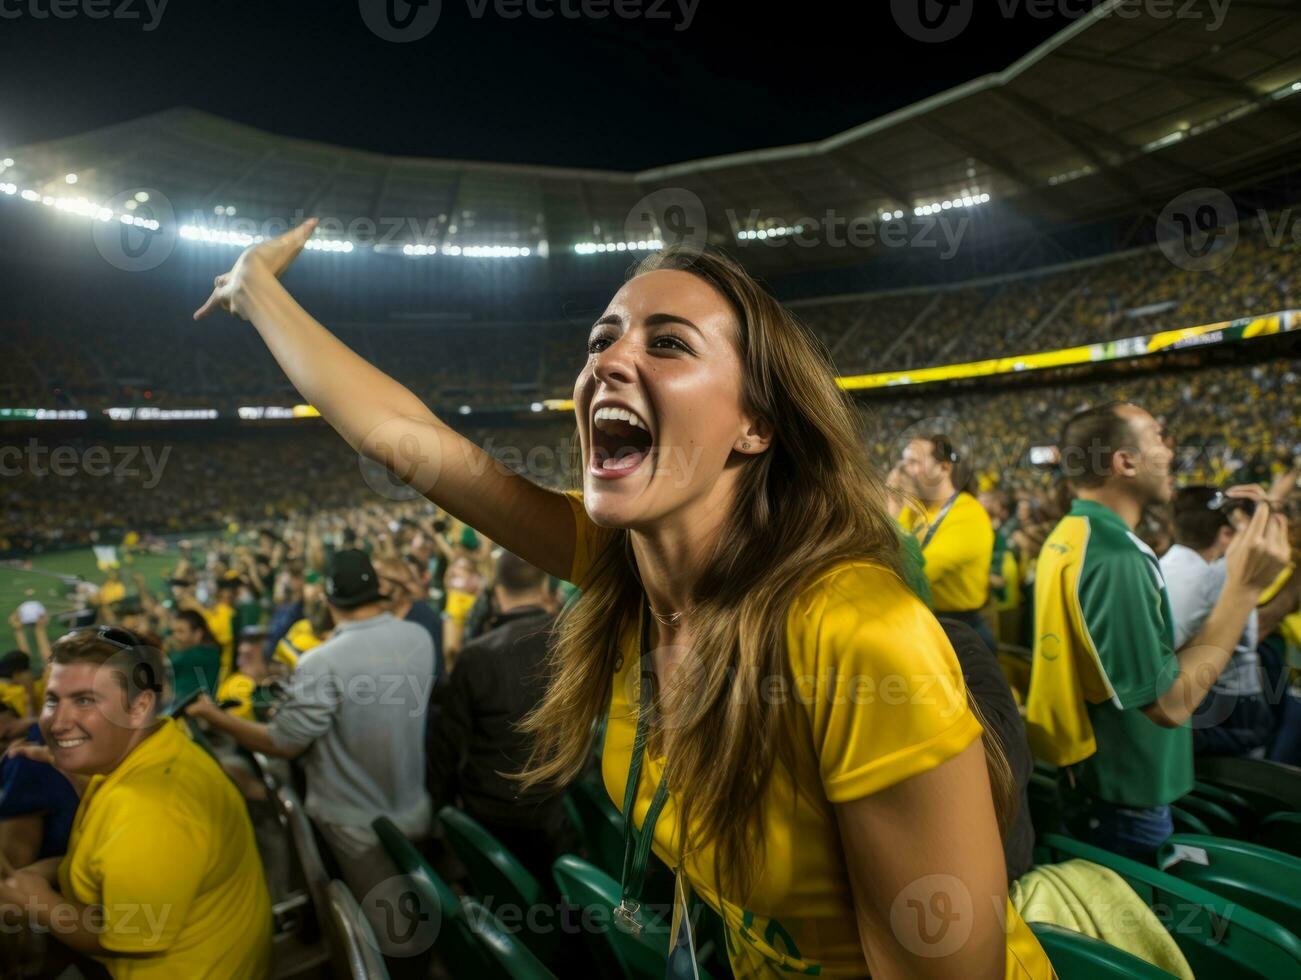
(617, 93)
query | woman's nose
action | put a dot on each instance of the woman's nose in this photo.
(615, 364)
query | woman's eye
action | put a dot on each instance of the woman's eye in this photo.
(597, 344)
(669, 342)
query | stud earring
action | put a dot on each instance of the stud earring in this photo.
(745, 445)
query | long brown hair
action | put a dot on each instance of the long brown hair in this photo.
(810, 502)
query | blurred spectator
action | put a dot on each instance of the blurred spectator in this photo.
(195, 656)
(406, 597)
(355, 712)
(37, 806)
(474, 742)
(956, 537)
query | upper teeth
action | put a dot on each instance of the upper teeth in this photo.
(67, 743)
(621, 415)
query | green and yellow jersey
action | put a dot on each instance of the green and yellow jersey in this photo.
(1104, 650)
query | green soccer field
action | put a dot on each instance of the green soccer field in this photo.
(41, 583)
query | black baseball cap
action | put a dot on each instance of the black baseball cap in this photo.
(350, 580)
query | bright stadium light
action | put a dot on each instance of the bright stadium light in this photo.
(641, 245)
(70, 178)
(964, 201)
(142, 196)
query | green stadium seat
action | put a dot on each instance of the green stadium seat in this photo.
(496, 876)
(355, 950)
(1282, 832)
(1218, 820)
(599, 823)
(619, 954)
(1045, 768)
(511, 955)
(1075, 956)
(1045, 803)
(573, 816)
(1186, 822)
(1219, 938)
(456, 942)
(309, 863)
(1266, 881)
(1238, 805)
(1269, 787)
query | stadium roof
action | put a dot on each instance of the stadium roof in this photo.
(1131, 105)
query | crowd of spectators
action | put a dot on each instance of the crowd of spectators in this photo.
(164, 359)
(1230, 423)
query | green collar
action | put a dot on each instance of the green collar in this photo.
(1095, 511)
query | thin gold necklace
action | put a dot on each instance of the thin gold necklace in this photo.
(672, 619)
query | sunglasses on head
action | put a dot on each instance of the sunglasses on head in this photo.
(113, 635)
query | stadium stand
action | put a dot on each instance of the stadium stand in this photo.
(252, 533)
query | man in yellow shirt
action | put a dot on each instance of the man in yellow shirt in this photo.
(162, 877)
(955, 533)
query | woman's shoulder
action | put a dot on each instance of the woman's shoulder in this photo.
(855, 585)
(859, 606)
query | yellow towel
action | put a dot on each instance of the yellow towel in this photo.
(1095, 901)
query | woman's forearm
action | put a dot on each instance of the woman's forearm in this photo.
(355, 397)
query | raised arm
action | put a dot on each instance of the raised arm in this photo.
(384, 421)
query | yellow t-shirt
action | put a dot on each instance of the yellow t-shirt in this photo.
(843, 634)
(221, 623)
(165, 845)
(111, 592)
(15, 696)
(238, 687)
(295, 643)
(959, 554)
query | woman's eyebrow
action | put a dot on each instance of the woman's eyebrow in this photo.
(657, 319)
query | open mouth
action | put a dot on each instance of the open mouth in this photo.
(70, 743)
(621, 442)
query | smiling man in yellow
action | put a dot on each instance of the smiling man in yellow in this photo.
(162, 877)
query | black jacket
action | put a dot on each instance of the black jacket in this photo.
(990, 690)
(499, 677)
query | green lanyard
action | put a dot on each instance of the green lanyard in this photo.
(939, 519)
(636, 847)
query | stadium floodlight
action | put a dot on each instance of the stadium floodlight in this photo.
(142, 197)
(329, 245)
(593, 248)
(69, 178)
(7, 162)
